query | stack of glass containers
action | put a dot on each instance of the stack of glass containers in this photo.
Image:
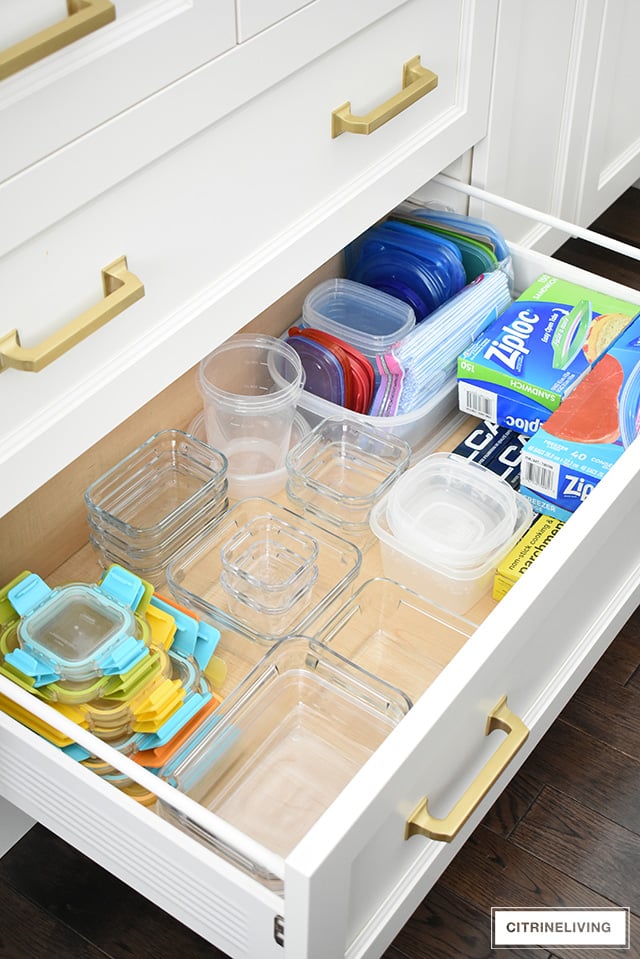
(263, 570)
(151, 503)
(116, 659)
(340, 470)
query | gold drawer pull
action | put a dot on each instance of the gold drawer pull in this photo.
(121, 289)
(85, 16)
(416, 82)
(422, 823)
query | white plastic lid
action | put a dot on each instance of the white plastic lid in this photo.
(367, 318)
(451, 510)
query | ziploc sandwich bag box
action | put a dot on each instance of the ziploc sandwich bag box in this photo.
(525, 363)
(585, 436)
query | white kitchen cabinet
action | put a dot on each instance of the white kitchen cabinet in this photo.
(219, 226)
(564, 132)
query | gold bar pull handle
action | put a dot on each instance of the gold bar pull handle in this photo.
(422, 823)
(121, 289)
(85, 16)
(416, 82)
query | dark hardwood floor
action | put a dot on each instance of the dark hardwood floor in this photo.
(566, 832)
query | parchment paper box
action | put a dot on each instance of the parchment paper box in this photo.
(582, 439)
(522, 366)
(523, 554)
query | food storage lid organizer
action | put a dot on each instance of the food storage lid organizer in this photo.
(340, 469)
(195, 575)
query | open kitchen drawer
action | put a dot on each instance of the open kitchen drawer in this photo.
(354, 879)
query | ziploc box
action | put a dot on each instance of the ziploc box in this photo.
(523, 365)
(589, 431)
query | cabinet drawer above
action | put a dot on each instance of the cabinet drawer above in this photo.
(69, 68)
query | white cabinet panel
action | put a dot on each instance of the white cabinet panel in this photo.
(148, 44)
(256, 15)
(612, 144)
(564, 131)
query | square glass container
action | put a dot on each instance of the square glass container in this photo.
(396, 635)
(147, 495)
(284, 745)
(340, 469)
(269, 564)
(194, 575)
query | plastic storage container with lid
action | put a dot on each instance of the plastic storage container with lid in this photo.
(368, 319)
(454, 585)
(283, 746)
(455, 512)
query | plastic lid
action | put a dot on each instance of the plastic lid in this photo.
(451, 510)
(73, 632)
(368, 319)
(323, 371)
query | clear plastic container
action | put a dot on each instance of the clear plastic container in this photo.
(451, 510)
(149, 494)
(250, 387)
(266, 484)
(194, 574)
(456, 589)
(367, 318)
(341, 468)
(397, 635)
(283, 746)
(415, 428)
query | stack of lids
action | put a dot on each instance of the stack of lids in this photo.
(114, 657)
(151, 503)
(343, 328)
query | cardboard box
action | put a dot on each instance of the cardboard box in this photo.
(524, 553)
(524, 364)
(588, 433)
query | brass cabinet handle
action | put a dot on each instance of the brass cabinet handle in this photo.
(85, 16)
(422, 823)
(416, 82)
(121, 289)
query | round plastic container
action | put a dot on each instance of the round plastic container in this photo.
(451, 510)
(266, 484)
(250, 386)
(368, 319)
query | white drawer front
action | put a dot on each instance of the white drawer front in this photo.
(211, 254)
(148, 44)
